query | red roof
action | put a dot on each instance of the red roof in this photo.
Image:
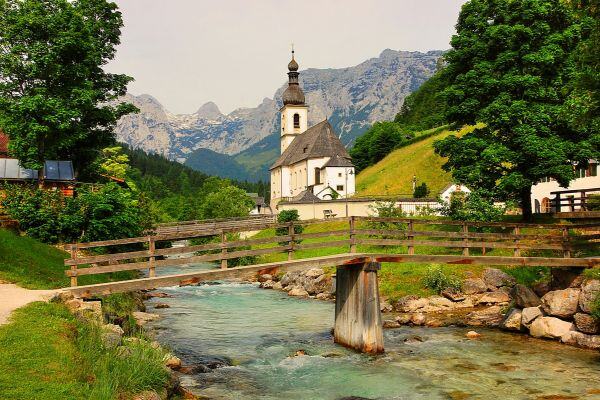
(3, 143)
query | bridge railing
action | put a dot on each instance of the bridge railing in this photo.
(411, 236)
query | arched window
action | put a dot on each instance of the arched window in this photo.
(317, 176)
(296, 120)
(546, 207)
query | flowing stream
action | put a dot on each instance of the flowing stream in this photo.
(257, 331)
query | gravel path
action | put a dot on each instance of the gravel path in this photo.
(13, 297)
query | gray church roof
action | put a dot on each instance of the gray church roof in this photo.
(338, 161)
(318, 141)
(306, 196)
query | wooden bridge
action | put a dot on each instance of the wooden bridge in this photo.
(356, 246)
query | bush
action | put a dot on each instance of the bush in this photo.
(285, 216)
(387, 209)
(436, 280)
(421, 191)
(471, 207)
(596, 307)
(593, 202)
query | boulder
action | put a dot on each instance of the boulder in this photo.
(385, 307)
(172, 362)
(411, 304)
(90, 310)
(495, 297)
(589, 290)
(147, 395)
(474, 286)
(161, 305)
(472, 335)
(541, 288)
(494, 277)
(277, 286)
(439, 302)
(265, 277)
(524, 297)
(586, 323)
(561, 303)
(575, 338)
(417, 319)
(314, 272)
(403, 319)
(111, 335)
(549, 327)
(490, 316)
(323, 296)
(529, 314)
(453, 294)
(289, 278)
(73, 304)
(512, 321)
(142, 318)
(390, 323)
(267, 284)
(298, 292)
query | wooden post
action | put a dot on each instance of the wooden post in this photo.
(74, 267)
(352, 235)
(291, 242)
(558, 205)
(410, 237)
(151, 259)
(566, 249)
(516, 250)
(358, 322)
(465, 229)
(223, 250)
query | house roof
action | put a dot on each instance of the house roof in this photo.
(338, 161)
(317, 141)
(60, 171)
(306, 196)
(3, 142)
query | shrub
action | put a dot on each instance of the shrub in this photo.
(471, 207)
(593, 202)
(285, 216)
(436, 280)
(387, 209)
(421, 191)
(596, 307)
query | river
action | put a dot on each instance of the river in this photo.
(258, 330)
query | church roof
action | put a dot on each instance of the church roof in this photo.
(338, 161)
(306, 196)
(317, 141)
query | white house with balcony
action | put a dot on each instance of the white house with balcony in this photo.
(545, 193)
(313, 162)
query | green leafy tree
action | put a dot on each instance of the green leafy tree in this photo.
(421, 191)
(227, 202)
(508, 68)
(285, 216)
(56, 99)
(376, 143)
(113, 162)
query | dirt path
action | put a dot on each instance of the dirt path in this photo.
(13, 297)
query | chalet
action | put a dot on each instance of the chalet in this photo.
(58, 175)
(313, 160)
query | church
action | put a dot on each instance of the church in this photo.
(314, 165)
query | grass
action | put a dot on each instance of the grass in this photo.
(401, 279)
(35, 265)
(393, 175)
(45, 353)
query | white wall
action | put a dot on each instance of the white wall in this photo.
(542, 190)
(287, 124)
(336, 176)
(454, 188)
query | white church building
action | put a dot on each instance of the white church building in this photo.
(314, 164)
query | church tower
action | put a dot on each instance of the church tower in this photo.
(294, 113)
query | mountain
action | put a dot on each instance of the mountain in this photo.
(351, 98)
(216, 164)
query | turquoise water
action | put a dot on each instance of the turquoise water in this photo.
(257, 330)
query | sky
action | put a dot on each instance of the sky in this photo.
(235, 52)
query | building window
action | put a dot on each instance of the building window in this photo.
(296, 120)
(340, 187)
(317, 176)
(580, 173)
(546, 205)
(339, 174)
(593, 169)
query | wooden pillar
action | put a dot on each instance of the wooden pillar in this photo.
(74, 267)
(410, 237)
(151, 259)
(516, 250)
(566, 246)
(358, 322)
(465, 229)
(223, 250)
(352, 235)
(291, 242)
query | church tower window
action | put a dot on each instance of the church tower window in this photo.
(297, 121)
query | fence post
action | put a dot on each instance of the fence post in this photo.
(223, 250)
(74, 267)
(558, 206)
(465, 229)
(516, 250)
(291, 242)
(410, 237)
(566, 250)
(151, 259)
(352, 235)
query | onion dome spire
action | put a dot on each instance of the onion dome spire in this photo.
(293, 94)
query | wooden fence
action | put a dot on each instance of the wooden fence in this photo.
(434, 240)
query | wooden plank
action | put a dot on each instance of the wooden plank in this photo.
(152, 259)
(216, 274)
(418, 221)
(315, 235)
(458, 244)
(462, 235)
(332, 243)
(488, 260)
(108, 258)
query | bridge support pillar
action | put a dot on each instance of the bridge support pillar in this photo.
(358, 322)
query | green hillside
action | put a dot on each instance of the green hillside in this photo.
(393, 175)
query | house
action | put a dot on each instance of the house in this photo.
(446, 194)
(260, 206)
(313, 160)
(547, 196)
(58, 175)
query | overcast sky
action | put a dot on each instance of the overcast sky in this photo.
(235, 52)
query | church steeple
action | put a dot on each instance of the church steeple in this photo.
(293, 94)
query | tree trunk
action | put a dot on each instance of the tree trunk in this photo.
(526, 204)
(41, 178)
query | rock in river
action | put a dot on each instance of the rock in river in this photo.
(524, 297)
(550, 328)
(561, 303)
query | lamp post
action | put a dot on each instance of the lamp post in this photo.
(347, 172)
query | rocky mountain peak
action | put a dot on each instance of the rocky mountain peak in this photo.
(209, 111)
